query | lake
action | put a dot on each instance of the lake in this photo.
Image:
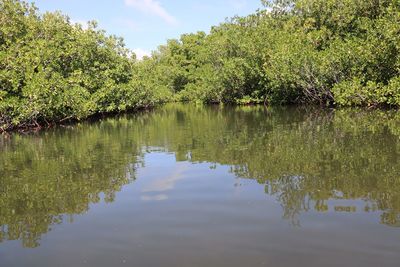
(188, 185)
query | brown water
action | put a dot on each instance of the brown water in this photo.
(189, 185)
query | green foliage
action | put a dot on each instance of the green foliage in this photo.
(295, 51)
(52, 70)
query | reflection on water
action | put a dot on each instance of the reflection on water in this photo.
(163, 184)
(60, 173)
(307, 160)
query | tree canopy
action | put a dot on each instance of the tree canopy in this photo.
(334, 52)
(53, 70)
(306, 51)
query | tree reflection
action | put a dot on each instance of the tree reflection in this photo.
(58, 173)
(305, 157)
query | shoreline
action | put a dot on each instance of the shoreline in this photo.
(67, 122)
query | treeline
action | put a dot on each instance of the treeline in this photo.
(334, 52)
(53, 70)
(331, 52)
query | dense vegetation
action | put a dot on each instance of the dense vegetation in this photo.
(52, 70)
(294, 51)
(330, 52)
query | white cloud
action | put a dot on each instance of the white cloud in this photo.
(164, 184)
(154, 198)
(141, 53)
(152, 7)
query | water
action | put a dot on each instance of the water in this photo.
(189, 185)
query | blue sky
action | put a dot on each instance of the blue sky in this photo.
(145, 24)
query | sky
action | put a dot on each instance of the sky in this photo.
(146, 24)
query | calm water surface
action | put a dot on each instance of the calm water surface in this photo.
(202, 186)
